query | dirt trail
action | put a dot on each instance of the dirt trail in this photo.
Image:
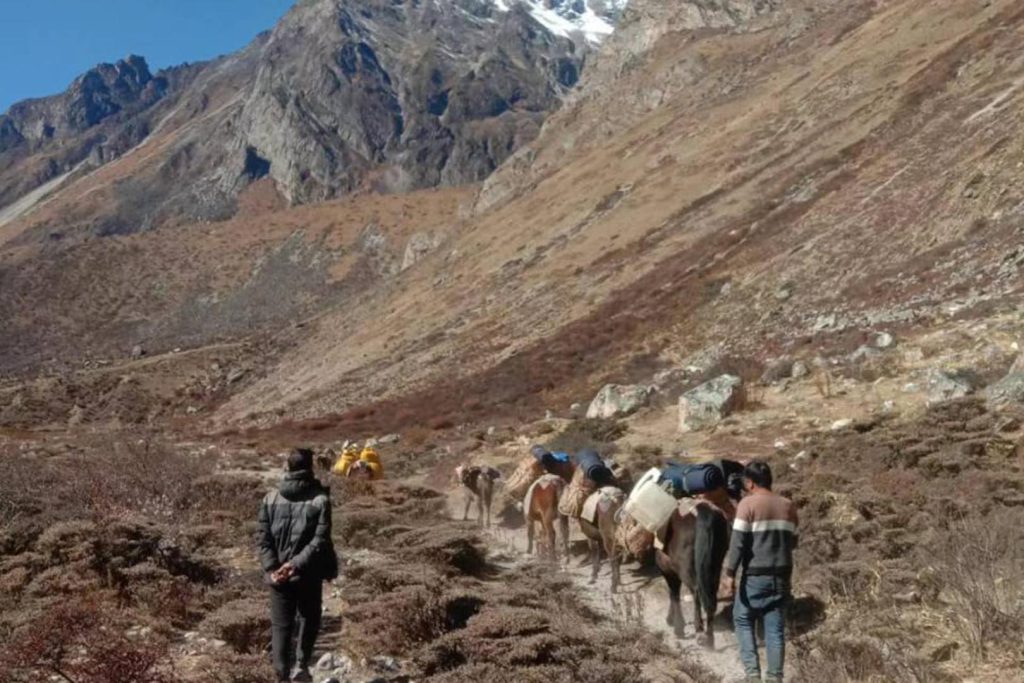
(642, 599)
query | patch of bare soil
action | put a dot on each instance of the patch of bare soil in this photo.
(422, 587)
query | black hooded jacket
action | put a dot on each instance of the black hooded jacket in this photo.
(295, 526)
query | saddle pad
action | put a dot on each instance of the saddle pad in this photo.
(590, 506)
(686, 506)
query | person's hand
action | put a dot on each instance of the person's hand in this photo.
(283, 573)
(728, 586)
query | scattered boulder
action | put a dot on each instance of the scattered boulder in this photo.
(1009, 389)
(384, 663)
(138, 352)
(946, 386)
(576, 410)
(884, 340)
(709, 403)
(76, 415)
(338, 664)
(844, 423)
(619, 400)
(824, 322)
(235, 375)
(863, 353)
(799, 370)
(420, 244)
(389, 438)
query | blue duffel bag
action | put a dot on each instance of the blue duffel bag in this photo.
(689, 480)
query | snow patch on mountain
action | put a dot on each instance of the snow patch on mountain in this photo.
(594, 19)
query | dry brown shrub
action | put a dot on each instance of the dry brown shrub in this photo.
(418, 436)
(227, 497)
(440, 423)
(862, 660)
(598, 433)
(81, 641)
(978, 571)
(244, 624)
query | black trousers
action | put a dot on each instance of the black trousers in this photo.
(294, 607)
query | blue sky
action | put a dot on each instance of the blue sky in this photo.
(44, 44)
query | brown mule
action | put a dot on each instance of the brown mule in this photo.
(541, 505)
(600, 532)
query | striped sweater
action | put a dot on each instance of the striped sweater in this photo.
(764, 536)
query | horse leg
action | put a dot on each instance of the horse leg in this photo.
(698, 620)
(469, 501)
(529, 536)
(615, 560)
(608, 540)
(551, 547)
(595, 560)
(480, 510)
(563, 528)
(675, 611)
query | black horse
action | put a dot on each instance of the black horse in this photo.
(695, 545)
(693, 554)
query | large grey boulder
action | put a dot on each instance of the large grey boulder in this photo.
(709, 403)
(1010, 389)
(946, 386)
(619, 400)
(420, 244)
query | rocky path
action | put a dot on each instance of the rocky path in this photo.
(642, 599)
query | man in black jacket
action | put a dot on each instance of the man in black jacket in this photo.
(295, 539)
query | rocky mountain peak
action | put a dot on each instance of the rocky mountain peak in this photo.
(100, 92)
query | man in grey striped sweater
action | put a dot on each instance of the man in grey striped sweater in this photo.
(764, 536)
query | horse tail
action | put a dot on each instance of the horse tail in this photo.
(709, 547)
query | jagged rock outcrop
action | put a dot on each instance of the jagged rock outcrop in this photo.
(419, 245)
(426, 94)
(103, 113)
(94, 96)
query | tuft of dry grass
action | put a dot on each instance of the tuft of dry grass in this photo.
(978, 573)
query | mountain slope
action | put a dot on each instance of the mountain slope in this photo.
(793, 153)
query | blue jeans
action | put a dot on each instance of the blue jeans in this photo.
(765, 598)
